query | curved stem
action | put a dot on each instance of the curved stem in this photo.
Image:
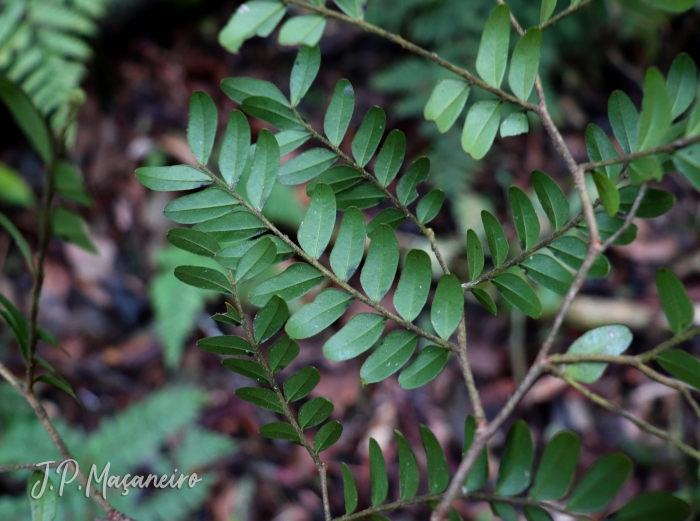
(564, 14)
(670, 343)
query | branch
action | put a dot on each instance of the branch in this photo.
(328, 273)
(668, 344)
(668, 148)
(412, 47)
(564, 14)
(28, 466)
(320, 466)
(647, 427)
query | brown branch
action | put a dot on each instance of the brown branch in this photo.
(564, 14)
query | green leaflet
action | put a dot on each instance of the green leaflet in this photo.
(672, 6)
(234, 149)
(515, 472)
(43, 497)
(171, 178)
(306, 166)
(572, 250)
(247, 368)
(17, 323)
(518, 294)
(314, 412)
(495, 237)
(391, 216)
(239, 89)
(526, 222)
(485, 300)
(416, 174)
(681, 365)
(304, 72)
(379, 269)
(19, 239)
(193, 241)
(524, 63)
(27, 117)
(71, 227)
(258, 258)
(607, 340)
(475, 255)
(349, 245)
(492, 57)
(230, 257)
(379, 482)
(294, 282)
(263, 172)
(201, 129)
(687, 161)
(552, 199)
(270, 319)
(675, 301)
(599, 486)
(306, 30)
(279, 431)
(481, 127)
(427, 365)
(204, 278)
(390, 157)
(654, 203)
(327, 435)
(693, 128)
(645, 169)
(248, 20)
(368, 136)
(600, 148)
(624, 120)
(430, 205)
(533, 513)
(271, 111)
(544, 270)
(479, 474)
(317, 227)
(338, 178)
(654, 505)
(363, 330)
(448, 306)
(226, 345)
(352, 8)
(290, 140)
(349, 490)
(414, 285)
(200, 206)
(313, 318)
(446, 103)
(438, 471)
(264, 398)
(546, 10)
(607, 191)
(301, 383)
(68, 181)
(363, 195)
(682, 82)
(409, 475)
(515, 124)
(557, 467)
(282, 353)
(504, 510)
(230, 317)
(655, 118)
(392, 354)
(607, 226)
(339, 112)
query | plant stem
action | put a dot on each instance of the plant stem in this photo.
(320, 465)
(564, 14)
(595, 398)
(668, 148)
(668, 344)
(412, 47)
(329, 274)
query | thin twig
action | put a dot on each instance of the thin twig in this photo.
(670, 343)
(564, 14)
(595, 398)
(29, 466)
(287, 411)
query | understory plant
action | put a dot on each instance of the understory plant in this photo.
(339, 256)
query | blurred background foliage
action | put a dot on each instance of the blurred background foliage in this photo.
(152, 401)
